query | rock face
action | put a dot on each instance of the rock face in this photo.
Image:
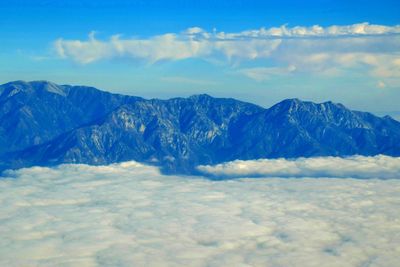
(42, 123)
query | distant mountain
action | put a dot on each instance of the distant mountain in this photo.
(393, 114)
(42, 123)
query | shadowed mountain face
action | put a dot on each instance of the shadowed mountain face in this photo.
(42, 123)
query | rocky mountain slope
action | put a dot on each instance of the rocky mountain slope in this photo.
(42, 123)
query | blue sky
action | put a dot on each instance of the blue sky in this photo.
(259, 51)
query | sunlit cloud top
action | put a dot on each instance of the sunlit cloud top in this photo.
(129, 214)
(362, 167)
(195, 42)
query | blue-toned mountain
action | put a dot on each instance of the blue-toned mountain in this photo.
(45, 124)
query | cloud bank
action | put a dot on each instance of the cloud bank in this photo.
(130, 215)
(383, 167)
(365, 47)
(193, 43)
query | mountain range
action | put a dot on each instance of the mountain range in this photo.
(45, 124)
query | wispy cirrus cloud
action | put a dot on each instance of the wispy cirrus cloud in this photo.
(373, 49)
(264, 73)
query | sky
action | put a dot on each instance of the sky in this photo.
(257, 51)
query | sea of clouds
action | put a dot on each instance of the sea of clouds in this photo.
(129, 214)
(381, 166)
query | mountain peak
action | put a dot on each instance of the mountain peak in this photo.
(332, 104)
(290, 105)
(36, 83)
(40, 128)
(201, 97)
(294, 104)
(15, 87)
(49, 87)
(290, 102)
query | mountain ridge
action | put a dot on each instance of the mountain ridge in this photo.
(43, 123)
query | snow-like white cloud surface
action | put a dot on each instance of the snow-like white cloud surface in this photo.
(381, 166)
(131, 215)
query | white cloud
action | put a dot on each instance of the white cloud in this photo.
(358, 29)
(379, 65)
(129, 214)
(84, 51)
(264, 73)
(371, 50)
(193, 43)
(356, 166)
(381, 85)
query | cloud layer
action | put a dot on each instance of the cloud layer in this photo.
(383, 167)
(190, 44)
(374, 49)
(129, 214)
